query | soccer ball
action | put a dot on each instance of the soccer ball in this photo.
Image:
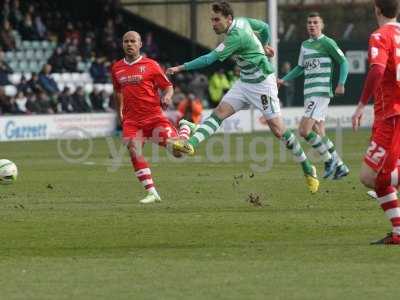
(8, 171)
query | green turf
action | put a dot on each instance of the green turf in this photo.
(76, 231)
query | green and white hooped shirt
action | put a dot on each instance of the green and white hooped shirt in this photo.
(316, 57)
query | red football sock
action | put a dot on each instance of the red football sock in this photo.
(387, 198)
(184, 132)
(143, 173)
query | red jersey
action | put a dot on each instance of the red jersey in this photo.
(139, 83)
(384, 49)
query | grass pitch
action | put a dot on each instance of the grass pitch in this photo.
(77, 231)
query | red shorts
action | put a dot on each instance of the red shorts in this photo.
(382, 142)
(158, 131)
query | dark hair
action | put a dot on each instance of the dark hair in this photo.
(222, 7)
(314, 14)
(388, 8)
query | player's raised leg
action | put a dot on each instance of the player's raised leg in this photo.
(206, 129)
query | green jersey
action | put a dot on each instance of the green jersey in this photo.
(316, 58)
(247, 49)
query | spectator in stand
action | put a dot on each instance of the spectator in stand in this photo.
(99, 70)
(57, 60)
(40, 28)
(97, 100)
(23, 85)
(87, 48)
(70, 61)
(32, 105)
(3, 99)
(181, 79)
(27, 30)
(75, 46)
(119, 24)
(5, 10)
(109, 47)
(191, 108)
(107, 105)
(7, 104)
(45, 103)
(177, 97)
(48, 84)
(79, 103)
(71, 32)
(112, 51)
(31, 9)
(16, 16)
(218, 86)
(108, 34)
(199, 86)
(7, 40)
(21, 101)
(65, 101)
(150, 47)
(4, 70)
(34, 84)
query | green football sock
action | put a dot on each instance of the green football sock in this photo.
(293, 144)
(205, 130)
(332, 149)
(316, 142)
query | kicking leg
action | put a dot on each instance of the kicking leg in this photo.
(205, 129)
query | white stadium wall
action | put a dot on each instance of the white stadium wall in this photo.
(252, 120)
(45, 127)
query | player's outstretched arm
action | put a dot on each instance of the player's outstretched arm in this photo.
(294, 73)
(197, 63)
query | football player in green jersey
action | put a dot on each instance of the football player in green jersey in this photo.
(317, 55)
(247, 40)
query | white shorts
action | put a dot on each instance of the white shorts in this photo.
(316, 108)
(263, 95)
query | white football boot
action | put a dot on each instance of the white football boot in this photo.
(151, 197)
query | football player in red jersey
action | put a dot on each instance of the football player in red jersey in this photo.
(137, 81)
(380, 169)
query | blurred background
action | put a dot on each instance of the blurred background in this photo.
(55, 55)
